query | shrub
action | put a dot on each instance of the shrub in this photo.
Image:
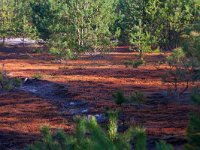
(157, 50)
(138, 63)
(176, 57)
(112, 126)
(59, 48)
(119, 97)
(137, 97)
(193, 130)
(37, 76)
(90, 136)
(134, 64)
(127, 63)
(191, 40)
(162, 145)
(119, 100)
(182, 73)
(140, 141)
(17, 82)
(9, 84)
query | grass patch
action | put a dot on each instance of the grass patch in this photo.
(37, 76)
(134, 64)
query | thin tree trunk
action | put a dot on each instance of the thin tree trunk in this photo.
(23, 41)
(141, 55)
(79, 38)
(4, 43)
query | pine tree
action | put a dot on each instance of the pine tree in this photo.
(164, 21)
(130, 11)
(6, 19)
(141, 38)
(23, 26)
(90, 136)
(191, 38)
(83, 26)
(43, 15)
(193, 131)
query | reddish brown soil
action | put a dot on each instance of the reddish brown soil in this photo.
(89, 78)
(22, 116)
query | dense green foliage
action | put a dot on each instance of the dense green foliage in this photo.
(162, 145)
(90, 25)
(191, 39)
(135, 97)
(156, 24)
(8, 84)
(183, 73)
(89, 135)
(193, 131)
(184, 61)
(43, 15)
(6, 19)
(134, 64)
(119, 97)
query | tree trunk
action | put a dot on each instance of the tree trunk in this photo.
(23, 41)
(141, 55)
(4, 41)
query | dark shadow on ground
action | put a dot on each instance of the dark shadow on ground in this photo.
(22, 115)
(15, 140)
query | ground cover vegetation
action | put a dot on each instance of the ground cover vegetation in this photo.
(89, 135)
(70, 28)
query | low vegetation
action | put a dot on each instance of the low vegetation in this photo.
(135, 97)
(182, 74)
(9, 84)
(89, 135)
(193, 131)
(69, 29)
(134, 64)
(38, 76)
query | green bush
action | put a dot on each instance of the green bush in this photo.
(157, 50)
(127, 63)
(9, 84)
(137, 97)
(59, 48)
(182, 73)
(119, 97)
(193, 130)
(90, 136)
(17, 82)
(138, 63)
(134, 64)
(162, 145)
(37, 76)
(176, 57)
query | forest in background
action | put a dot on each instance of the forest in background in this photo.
(95, 25)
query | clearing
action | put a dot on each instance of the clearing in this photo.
(84, 87)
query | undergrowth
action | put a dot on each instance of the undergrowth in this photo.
(7, 83)
(90, 136)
